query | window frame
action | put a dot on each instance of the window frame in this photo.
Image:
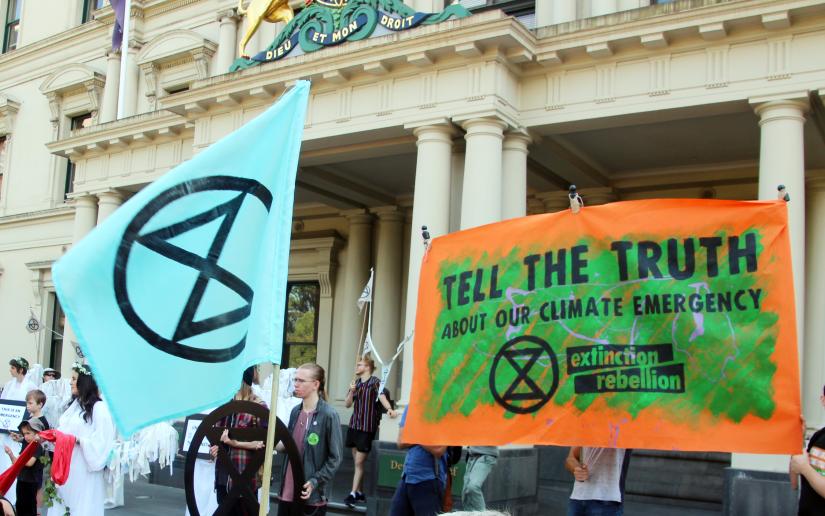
(75, 123)
(510, 7)
(89, 7)
(58, 331)
(4, 148)
(9, 23)
(285, 347)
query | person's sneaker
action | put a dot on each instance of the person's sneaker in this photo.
(350, 499)
(359, 497)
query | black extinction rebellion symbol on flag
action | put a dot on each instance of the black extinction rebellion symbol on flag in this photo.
(536, 374)
(207, 267)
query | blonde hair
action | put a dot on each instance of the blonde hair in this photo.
(370, 363)
(319, 374)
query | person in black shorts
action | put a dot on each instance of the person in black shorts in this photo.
(363, 425)
(811, 466)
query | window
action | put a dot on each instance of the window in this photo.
(81, 121)
(77, 122)
(177, 89)
(68, 187)
(11, 34)
(511, 7)
(58, 326)
(3, 140)
(89, 7)
(301, 324)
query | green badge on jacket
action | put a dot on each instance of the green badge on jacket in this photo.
(313, 439)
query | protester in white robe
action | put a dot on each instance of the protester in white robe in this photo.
(15, 390)
(89, 421)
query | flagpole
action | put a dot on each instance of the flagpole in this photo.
(121, 87)
(270, 440)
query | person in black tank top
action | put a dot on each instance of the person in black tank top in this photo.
(811, 466)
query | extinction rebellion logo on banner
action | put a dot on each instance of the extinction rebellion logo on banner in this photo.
(326, 23)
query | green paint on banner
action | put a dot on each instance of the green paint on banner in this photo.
(726, 355)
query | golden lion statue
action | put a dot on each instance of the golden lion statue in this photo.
(273, 11)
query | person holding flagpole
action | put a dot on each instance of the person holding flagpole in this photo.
(363, 425)
(88, 420)
(240, 452)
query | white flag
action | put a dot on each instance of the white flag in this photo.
(366, 294)
(368, 347)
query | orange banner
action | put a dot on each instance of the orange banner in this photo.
(661, 324)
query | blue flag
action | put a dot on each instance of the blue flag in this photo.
(184, 286)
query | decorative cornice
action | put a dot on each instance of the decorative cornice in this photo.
(8, 111)
(36, 216)
(123, 133)
(488, 29)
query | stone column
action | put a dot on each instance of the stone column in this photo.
(514, 175)
(481, 194)
(596, 196)
(456, 182)
(782, 161)
(387, 292)
(429, 6)
(602, 7)
(813, 373)
(107, 203)
(108, 110)
(85, 218)
(130, 94)
(356, 273)
(227, 41)
(431, 208)
(554, 201)
(555, 11)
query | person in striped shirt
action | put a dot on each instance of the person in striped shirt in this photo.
(363, 425)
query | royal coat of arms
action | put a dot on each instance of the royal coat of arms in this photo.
(324, 23)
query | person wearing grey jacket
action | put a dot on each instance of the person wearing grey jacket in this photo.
(316, 429)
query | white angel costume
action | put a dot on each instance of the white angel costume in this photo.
(85, 489)
(13, 390)
(204, 487)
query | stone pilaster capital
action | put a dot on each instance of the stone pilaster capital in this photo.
(113, 197)
(554, 201)
(357, 217)
(112, 54)
(815, 182)
(517, 140)
(489, 126)
(82, 200)
(596, 196)
(788, 106)
(227, 16)
(436, 129)
(388, 214)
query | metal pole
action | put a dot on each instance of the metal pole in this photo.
(124, 52)
(270, 441)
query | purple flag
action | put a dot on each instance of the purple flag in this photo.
(119, 6)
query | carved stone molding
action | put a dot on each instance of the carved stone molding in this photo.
(174, 59)
(70, 80)
(8, 112)
(314, 256)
